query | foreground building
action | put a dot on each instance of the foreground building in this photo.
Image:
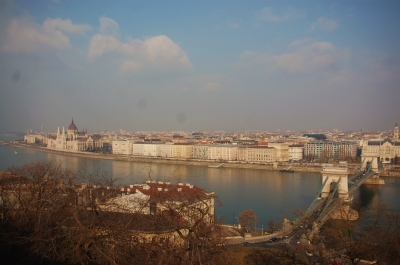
(186, 202)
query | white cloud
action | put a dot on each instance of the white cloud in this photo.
(267, 14)
(65, 25)
(325, 24)
(25, 36)
(99, 44)
(109, 26)
(297, 43)
(305, 57)
(206, 83)
(158, 53)
(309, 57)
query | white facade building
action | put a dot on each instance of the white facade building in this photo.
(282, 151)
(182, 151)
(222, 152)
(152, 150)
(296, 152)
(259, 154)
(166, 150)
(387, 151)
(138, 149)
(73, 140)
(122, 147)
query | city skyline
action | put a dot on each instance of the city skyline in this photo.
(199, 66)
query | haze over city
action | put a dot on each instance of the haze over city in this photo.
(204, 65)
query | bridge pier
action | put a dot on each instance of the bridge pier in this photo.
(344, 212)
(375, 180)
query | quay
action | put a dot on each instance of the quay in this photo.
(299, 167)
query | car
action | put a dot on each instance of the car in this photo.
(298, 241)
(245, 243)
(309, 253)
(274, 239)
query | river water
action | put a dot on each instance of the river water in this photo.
(272, 195)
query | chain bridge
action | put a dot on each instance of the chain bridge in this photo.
(333, 199)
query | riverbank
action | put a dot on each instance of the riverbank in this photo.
(296, 167)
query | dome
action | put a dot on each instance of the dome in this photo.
(72, 126)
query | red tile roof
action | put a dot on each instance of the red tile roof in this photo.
(162, 191)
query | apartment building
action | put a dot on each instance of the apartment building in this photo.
(122, 147)
(166, 150)
(296, 152)
(282, 151)
(329, 149)
(200, 151)
(260, 154)
(222, 152)
(182, 151)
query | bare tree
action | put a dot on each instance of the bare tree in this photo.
(248, 218)
(375, 236)
(48, 217)
(275, 225)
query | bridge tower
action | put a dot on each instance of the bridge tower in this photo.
(372, 159)
(335, 176)
(369, 158)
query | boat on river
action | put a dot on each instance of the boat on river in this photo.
(288, 169)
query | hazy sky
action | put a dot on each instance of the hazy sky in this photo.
(199, 65)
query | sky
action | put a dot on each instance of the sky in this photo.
(199, 65)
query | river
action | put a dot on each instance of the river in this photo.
(271, 194)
